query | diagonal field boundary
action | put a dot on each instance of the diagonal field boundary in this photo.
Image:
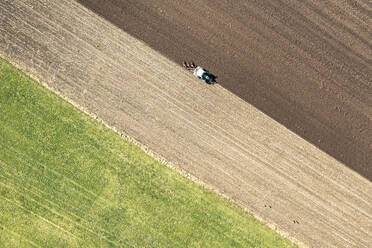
(203, 131)
(304, 64)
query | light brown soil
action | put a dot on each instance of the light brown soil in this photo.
(203, 130)
(307, 64)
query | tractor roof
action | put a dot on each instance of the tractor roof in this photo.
(199, 71)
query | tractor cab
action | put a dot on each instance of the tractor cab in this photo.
(204, 75)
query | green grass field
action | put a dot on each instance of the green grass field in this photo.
(68, 181)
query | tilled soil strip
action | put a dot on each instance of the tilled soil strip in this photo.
(202, 130)
(307, 65)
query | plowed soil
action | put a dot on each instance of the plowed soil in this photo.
(204, 130)
(305, 64)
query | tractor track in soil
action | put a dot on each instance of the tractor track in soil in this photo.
(203, 130)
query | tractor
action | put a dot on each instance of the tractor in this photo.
(200, 73)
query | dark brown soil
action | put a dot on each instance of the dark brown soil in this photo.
(305, 64)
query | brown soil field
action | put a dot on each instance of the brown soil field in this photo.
(204, 131)
(305, 64)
